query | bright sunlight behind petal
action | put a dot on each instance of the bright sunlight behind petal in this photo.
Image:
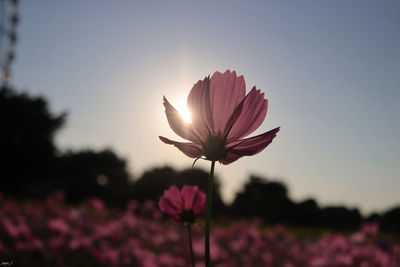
(184, 111)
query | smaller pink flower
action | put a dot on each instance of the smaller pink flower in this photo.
(185, 205)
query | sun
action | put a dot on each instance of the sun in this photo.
(184, 111)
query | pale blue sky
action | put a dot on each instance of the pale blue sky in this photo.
(330, 69)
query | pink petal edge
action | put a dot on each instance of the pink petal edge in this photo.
(177, 123)
(250, 146)
(251, 116)
(200, 109)
(189, 149)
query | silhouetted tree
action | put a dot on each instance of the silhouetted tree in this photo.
(262, 198)
(341, 218)
(90, 173)
(27, 150)
(374, 217)
(390, 221)
(269, 200)
(152, 183)
(306, 213)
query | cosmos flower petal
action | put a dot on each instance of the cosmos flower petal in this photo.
(199, 203)
(251, 116)
(200, 108)
(188, 195)
(173, 195)
(226, 92)
(235, 115)
(167, 207)
(189, 149)
(230, 157)
(193, 199)
(250, 146)
(253, 145)
(177, 123)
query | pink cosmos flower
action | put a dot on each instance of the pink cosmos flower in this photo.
(222, 115)
(184, 205)
(371, 229)
(58, 225)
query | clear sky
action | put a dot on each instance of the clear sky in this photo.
(330, 69)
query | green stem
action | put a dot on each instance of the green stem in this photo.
(190, 244)
(208, 214)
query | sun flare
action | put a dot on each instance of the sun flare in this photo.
(184, 111)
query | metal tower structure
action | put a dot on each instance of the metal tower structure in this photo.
(9, 19)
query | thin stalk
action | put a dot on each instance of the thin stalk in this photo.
(208, 213)
(190, 244)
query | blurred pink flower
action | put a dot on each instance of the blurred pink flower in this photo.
(371, 229)
(132, 205)
(184, 205)
(56, 197)
(56, 242)
(357, 237)
(31, 232)
(222, 115)
(79, 242)
(97, 204)
(11, 229)
(58, 225)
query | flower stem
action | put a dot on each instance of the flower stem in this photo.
(190, 244)
(208, 214)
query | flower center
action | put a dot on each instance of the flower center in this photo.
(214, 148)
(188, 216)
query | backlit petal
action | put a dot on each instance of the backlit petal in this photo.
(199, 203)
(251, 116)
(189, 149)
(168, 208)
(173, 199)
(250, 146)
(177, 123)
(235, 115)
(230, 157)
(226, 92)
(200, 108)
(194, 199)
(188, 195)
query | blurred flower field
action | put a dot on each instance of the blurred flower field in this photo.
(52, 233)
